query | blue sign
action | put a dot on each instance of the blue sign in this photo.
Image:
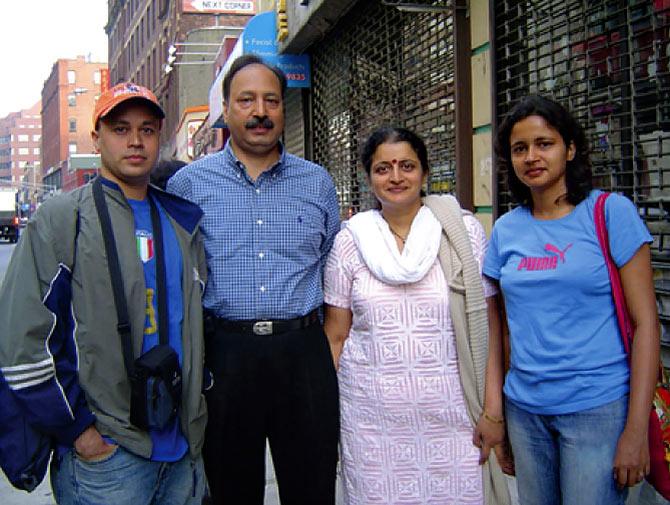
(260, 37)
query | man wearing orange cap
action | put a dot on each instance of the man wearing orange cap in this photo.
(101, 343)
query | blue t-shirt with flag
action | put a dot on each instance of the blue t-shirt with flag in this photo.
(168, 444)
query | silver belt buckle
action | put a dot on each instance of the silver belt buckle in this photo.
(262, 328)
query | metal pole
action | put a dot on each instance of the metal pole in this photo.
(463, 95)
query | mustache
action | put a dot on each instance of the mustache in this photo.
(263, 121)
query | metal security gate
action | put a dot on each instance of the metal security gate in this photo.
(608, 61)
(380, 66)
(294, 127)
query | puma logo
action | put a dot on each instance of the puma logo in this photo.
(553, 249)
(531, 263)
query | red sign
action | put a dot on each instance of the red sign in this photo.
(104, 79)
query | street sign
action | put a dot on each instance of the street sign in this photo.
(260, 37)
(220, 6)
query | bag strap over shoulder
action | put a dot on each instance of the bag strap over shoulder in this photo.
(615, 279)
(123, 320)
(123, 323)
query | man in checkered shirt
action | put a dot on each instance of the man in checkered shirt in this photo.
(270, 220)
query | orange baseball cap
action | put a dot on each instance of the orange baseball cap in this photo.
(119, 94)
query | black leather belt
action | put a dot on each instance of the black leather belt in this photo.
(273, 327)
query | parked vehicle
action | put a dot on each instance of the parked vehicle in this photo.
(9, 217)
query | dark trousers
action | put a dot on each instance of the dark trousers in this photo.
(282, 388)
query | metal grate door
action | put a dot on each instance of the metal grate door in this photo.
(294, 129)
(607, 60)
(380, 66)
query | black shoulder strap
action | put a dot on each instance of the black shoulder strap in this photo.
(123, 324)
(161, 283)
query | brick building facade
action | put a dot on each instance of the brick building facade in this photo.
(68, 99)
(20, 144)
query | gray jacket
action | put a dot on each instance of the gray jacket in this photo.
(60, 351)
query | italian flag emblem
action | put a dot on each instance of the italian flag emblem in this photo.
(145, 245)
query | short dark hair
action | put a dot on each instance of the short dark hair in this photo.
(164, 170)
(392, 135)
(578, 176)
(244, 61)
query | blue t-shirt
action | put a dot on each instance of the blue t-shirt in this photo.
(566, 349)
(168, 444)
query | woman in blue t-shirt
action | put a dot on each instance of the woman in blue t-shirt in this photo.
(576, 412)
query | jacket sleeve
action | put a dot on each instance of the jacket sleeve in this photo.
(38, 352)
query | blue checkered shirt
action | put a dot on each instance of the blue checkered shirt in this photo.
(266, 241)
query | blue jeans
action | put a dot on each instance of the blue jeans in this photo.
(123, 478)
(567, 459)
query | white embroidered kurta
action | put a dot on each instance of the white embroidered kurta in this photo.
(405, 433)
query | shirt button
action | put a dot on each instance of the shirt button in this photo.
(259, 222)
(261, 255)
(262, 289)
(238, 176)
(258, 191)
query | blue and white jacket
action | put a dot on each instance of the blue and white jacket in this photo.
(60, 352)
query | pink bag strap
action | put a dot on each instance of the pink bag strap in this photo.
(615, 280)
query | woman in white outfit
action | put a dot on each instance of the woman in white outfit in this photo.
(406, 317)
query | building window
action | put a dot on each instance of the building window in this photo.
(71, 76)
(36, 151)
(72, 148)
(72, 125)
(36, 138)
(72, 100)
(22, 164)
(24, 151)
(96, 77)
(23, 138)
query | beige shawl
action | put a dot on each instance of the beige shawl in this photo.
(468, 311)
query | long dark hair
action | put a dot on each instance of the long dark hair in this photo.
(578, 177)
(392, 135)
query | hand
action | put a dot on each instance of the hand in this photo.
(487, 435)
(631, 460)
(505, 458)
(90, 445)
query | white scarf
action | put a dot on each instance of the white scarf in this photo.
(379, 250)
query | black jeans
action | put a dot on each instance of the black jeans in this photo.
(282, 388)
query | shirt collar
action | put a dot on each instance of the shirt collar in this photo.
(186, 213)
(275, 169)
